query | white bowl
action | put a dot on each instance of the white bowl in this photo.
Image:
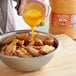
(27, 64)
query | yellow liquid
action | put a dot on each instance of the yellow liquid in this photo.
(33, 15)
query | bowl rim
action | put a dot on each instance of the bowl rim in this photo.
(10, 57)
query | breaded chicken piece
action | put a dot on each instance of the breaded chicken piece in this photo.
(31, 43)
(38, 42)
(48, 41)
(33, 51)
(46, 49)
(37, 47)
(28, 41)
(22, 36)
(9, 40)
(10, 50)
(20, 43)
(23, 53)
(3, 50)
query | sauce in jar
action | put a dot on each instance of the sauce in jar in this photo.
(33, 14)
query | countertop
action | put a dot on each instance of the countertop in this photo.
(63, 62)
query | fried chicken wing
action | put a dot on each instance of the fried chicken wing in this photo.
(38, 42)
(9, 40)
(22, 36)
(23, 53)
(46, 49)
(37, 47)
(31, 43)
(33, 51)
(10, 50)
(28, 41)
(3, 50)
(48, 41)
(20, 43)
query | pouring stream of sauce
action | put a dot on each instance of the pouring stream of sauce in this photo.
(33, 15)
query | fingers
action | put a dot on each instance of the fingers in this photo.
(23, 3)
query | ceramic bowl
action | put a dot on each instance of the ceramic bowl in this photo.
(27, 64)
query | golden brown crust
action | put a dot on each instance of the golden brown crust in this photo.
(33, 51)
(9, 40)
(22, 45)
(22, 36)
(3, 50)
(47, 49)
(48, 41)
(38, 42)
(21, 52)
(10, 50)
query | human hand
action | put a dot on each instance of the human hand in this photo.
(24, 2)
